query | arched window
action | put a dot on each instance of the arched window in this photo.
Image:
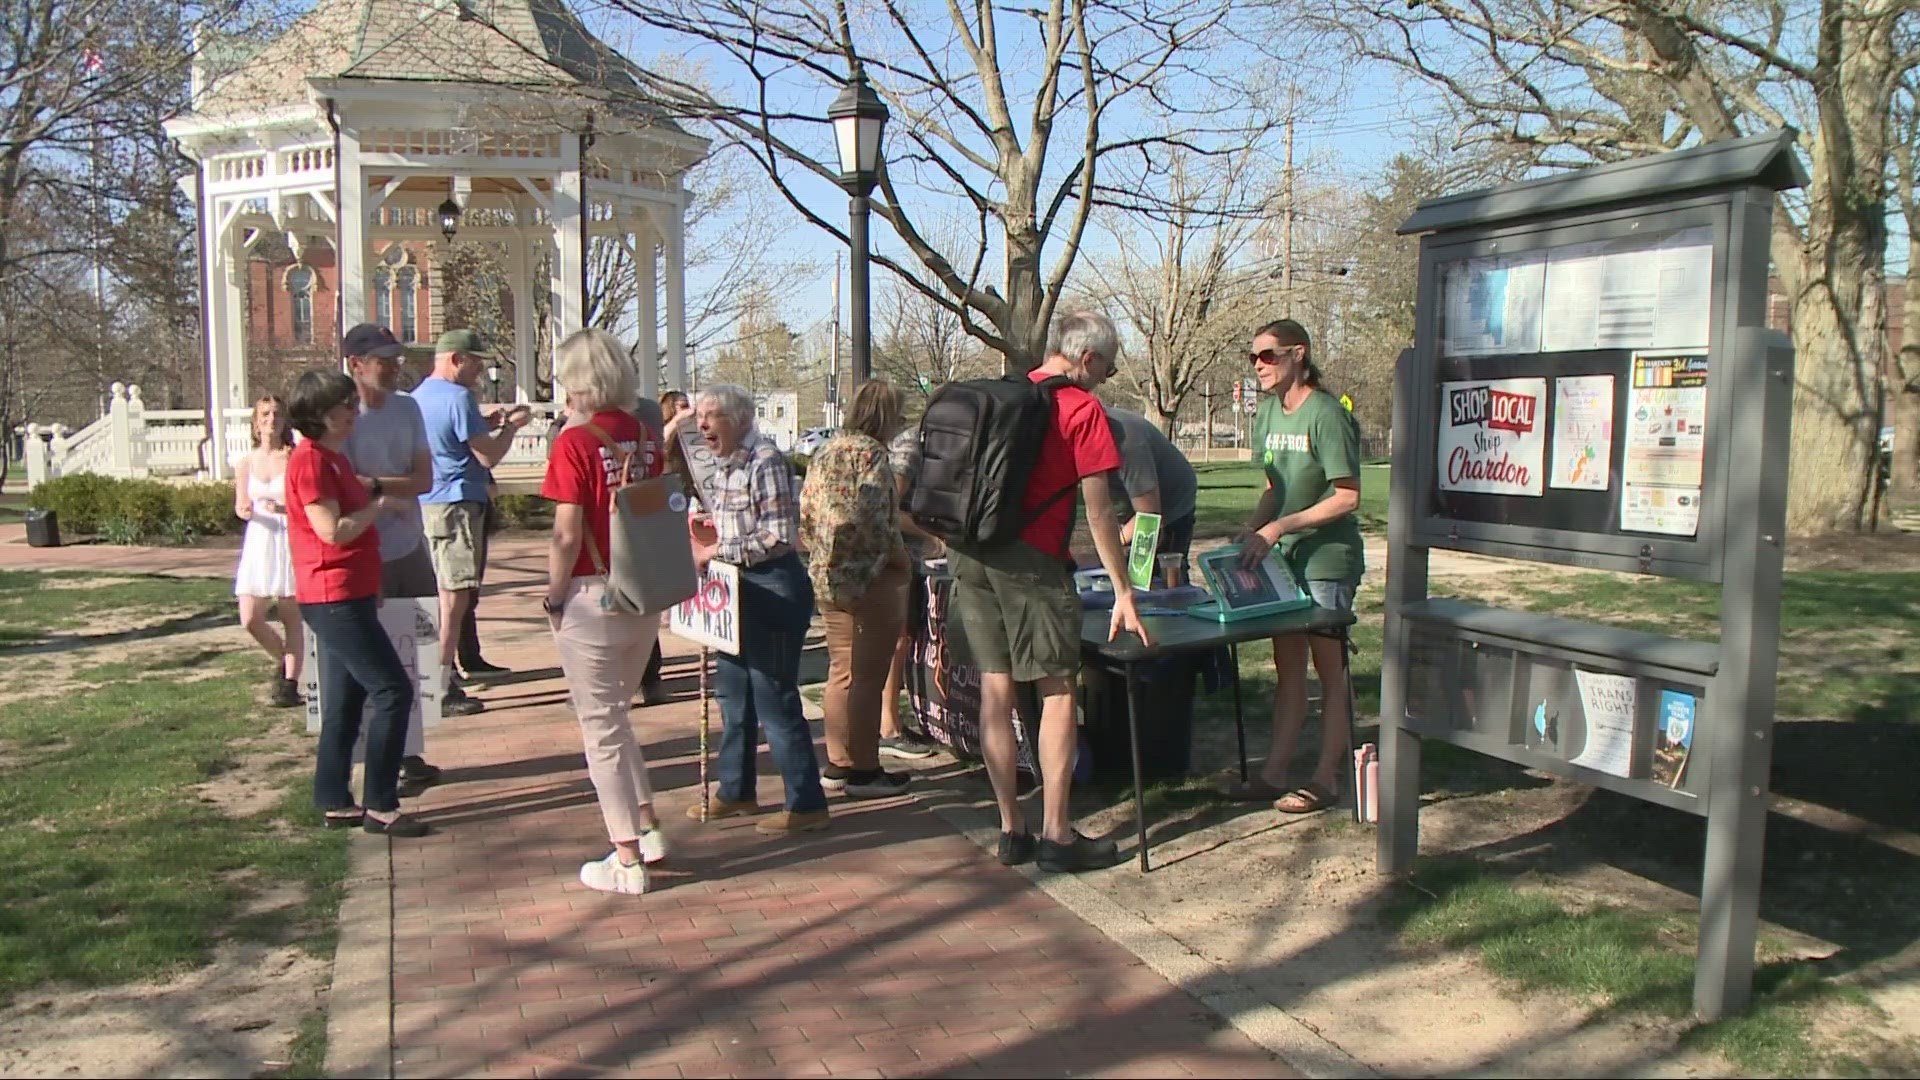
(300, 288)
(405, 284)
(383, 297)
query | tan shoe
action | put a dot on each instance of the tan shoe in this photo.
(789, 822)
(720, 808)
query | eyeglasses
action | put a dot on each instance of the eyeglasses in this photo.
(1268, 356)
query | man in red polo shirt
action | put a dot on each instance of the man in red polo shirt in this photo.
(1019, 608)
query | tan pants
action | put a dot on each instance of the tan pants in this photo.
(602, 654)
(860, 643)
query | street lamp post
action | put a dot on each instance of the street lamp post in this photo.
(859, 117)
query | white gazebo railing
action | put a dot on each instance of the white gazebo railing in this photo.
(133, 441)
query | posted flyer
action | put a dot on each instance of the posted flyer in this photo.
(1582, 432)
(1664, 453)
(1608, 702)
(1492, 438)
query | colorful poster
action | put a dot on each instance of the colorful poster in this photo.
(712, 617)
(1673, 744)
(1664, 453)
(1582, 432)
(1607, 702)
(413, 625)
(1492, 438)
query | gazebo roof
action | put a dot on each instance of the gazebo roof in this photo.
(529, 44)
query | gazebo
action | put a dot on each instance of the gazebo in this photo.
(371, 121)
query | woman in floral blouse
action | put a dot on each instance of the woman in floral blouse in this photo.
(851, 530)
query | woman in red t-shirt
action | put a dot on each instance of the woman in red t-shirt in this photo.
(336, 578)
(603, 652)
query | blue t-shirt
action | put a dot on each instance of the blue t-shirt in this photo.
(453, 418)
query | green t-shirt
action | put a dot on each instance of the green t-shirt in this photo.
(1303, 453)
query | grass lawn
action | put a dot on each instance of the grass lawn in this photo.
(13, 508)
(35, 606)
(1228, 490)
(116, 870)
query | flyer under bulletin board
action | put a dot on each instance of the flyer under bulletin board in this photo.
(1664, 454)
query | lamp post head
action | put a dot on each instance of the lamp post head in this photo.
(449, 218)
(859, 118)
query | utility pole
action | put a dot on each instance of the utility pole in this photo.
(1286, 227)
(833, 357)
(1208, 397)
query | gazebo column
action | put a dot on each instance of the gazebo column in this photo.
(646, 305)
(675, 237)
(350, 232)
(570, 244)
(526, 363)
(225, 327)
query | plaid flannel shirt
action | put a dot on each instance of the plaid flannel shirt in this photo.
(754, 502)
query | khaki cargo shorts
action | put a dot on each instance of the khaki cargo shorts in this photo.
(1019, 611)
(457, 533)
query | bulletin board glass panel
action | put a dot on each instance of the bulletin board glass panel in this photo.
(1571, 384)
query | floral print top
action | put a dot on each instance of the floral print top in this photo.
(848, 521)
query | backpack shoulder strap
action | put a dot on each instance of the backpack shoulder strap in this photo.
(623, 457)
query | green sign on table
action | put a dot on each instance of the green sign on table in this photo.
(1146, 544)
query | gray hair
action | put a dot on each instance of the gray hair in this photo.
(592, 364)
(1081, 332)
(732, 400)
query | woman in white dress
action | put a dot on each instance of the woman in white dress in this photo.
(264, 580)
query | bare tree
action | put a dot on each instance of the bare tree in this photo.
(1903, 397)
(919, 345)
(1583, 80)
(1180, 281)
(1011, 114)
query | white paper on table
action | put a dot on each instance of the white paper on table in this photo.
(1608, 702)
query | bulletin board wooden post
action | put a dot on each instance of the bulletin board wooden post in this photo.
(1592, 384)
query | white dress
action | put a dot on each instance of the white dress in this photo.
(266, 562)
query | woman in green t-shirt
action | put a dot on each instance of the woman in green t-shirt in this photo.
(1309, 446)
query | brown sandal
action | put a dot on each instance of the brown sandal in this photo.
(1305, 799)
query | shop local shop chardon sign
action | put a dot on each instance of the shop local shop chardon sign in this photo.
(1492, 436)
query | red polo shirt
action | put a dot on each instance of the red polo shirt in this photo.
(325, 573)
(1078, 445)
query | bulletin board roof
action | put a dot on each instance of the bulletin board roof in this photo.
(1764, 159)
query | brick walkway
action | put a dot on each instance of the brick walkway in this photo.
(888, 946)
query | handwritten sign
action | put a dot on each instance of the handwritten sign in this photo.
(413, 625)
(701, 463)
(1492, 436)
(712, 617)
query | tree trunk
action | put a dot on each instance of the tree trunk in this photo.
(1840, 346)
(1903, 398)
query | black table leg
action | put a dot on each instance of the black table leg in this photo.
(1139, 793)
(1239, 714)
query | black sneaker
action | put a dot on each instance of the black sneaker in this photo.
(459, 703)
(402, 825)
(414, 767)
(1083, 854)
(878, 784)
(835, 777)
(908, 744)
(479, 666)
(286, 693)
(1015, 848)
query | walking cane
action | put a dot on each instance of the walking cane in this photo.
(706, 706)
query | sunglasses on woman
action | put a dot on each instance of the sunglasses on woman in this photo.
(1269, 356)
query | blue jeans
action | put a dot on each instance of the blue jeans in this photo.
(761, 686)
(358, 665)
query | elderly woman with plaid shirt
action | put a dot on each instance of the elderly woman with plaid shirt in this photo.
(753, 522)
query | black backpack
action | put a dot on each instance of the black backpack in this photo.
(978, 442)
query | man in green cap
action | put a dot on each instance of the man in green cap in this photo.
(466, 446)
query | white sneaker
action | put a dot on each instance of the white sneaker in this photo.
(611, 875)
(653, 845)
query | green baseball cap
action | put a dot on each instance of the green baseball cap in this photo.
(462, 341)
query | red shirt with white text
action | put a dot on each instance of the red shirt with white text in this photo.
(581, 471)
